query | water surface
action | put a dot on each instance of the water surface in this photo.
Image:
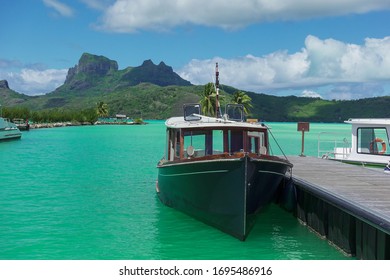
(89, 193)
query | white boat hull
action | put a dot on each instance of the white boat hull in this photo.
(8, 130)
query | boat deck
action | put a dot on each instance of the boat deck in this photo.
(362, 194)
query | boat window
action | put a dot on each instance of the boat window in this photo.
(373, 141)
(194, 143)
(235, 139)
(177, 146)
(170, 148)
(204, 142)
(217, 142)
(256, 142)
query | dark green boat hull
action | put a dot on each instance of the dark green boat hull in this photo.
(224, 193)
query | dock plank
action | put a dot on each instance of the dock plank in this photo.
(362, 188)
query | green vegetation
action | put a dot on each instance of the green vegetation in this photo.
(239, 97)
(102, 109)
(15, 112)
(95, 87)
(138, 121)
(148, 101)
(52, 115)
(207, 100)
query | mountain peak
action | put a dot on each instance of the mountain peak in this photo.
(92, 70)
(4, 84)
(162, 64)
(148, 72)
(147, 62)
(92, 65)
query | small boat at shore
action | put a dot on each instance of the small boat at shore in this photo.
(368, 145)
(219, 170)
(8, 130)
(22, 124)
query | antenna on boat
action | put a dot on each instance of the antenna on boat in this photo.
(217, 114)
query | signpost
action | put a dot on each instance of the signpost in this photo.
(303, 126)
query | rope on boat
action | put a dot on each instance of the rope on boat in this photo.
(280, 148)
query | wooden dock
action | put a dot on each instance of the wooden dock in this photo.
(347, 204)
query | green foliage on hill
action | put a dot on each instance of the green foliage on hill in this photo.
(148, 101)
(293, 109)
(154, 91)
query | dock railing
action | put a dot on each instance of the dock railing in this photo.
(333, 145)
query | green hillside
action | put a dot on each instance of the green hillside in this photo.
(152, 91)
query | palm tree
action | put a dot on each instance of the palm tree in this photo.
(240, 97)
(102, 109)
(207, 101)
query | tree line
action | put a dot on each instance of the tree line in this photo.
(91, 115)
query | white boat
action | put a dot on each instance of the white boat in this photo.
(368, 146)
(8, 130)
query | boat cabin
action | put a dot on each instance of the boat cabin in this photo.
(370, 139)
(369, 142)
(195, 136)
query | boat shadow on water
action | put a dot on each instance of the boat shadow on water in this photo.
(277, 234)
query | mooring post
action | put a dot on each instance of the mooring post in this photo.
(303, 126)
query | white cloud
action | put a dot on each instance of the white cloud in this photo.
(61, 8)
(353, 63)
(35, 82)
(134, 15)
(319, 63)
(273, 70)
(311, 94)
(327, 67)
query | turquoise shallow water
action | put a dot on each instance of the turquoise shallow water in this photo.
(89, 193)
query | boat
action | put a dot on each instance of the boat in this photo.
(220, 170)
(8, 130)
(21, 124)
(368, 145)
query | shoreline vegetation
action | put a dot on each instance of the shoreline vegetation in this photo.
(64, 124)
(61, 118)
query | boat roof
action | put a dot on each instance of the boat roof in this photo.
(210, 122)
(369, 121)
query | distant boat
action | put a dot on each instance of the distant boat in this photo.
(8, 130)
(21, 124)
(219, 170)
(368, 145)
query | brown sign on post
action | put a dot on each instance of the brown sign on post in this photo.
(303, 126)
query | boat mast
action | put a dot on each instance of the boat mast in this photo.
(217, 90)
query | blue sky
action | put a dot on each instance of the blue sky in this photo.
(334, 49)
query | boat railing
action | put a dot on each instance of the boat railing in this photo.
(333, 145)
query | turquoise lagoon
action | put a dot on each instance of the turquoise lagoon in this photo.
(88, 193)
